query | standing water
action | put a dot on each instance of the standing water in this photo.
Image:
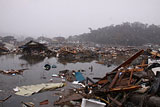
(35, 74)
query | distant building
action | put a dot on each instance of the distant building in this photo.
(28, 39)
(44, 40)
(9, 39)
(3, 49)
(34, 47)
(59, 39)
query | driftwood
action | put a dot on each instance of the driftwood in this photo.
(5, 99)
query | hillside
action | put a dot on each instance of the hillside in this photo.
(132, 34)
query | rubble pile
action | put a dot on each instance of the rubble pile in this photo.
(12, 71)
(76, 54)
(135, 82)
(127, 85)
(35, 48)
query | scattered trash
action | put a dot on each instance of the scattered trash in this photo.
(92, 103)
(155, 70)
(51, 80)
(16, 89)
(68, 75)
(12, 72)
(54, 66)
(75, 82)
(54, 75)
(117, 87)
(71, 97)
(63, 80)
(135, 80)
(47, 67)
(32, 89)
(28, 104)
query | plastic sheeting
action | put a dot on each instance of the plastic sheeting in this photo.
(31, 89)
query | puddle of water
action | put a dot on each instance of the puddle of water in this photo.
(35, 75)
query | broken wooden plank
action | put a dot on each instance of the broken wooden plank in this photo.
(115, 101)
(129, 60)
(130, 78)
(3, 100)
(122, 75)
(114, 79)
(133, 69)
(124, 88)
(122, 65)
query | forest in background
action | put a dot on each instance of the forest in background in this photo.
(125, 34)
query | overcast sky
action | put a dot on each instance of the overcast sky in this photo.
(72, 17)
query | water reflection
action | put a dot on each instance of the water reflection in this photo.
(32, 59)
(36, 75)
(65, 61)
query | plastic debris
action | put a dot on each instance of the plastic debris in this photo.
(92, 103)
(13, 74)
(47, 67)
(16, 89)
(79, 76)
(54, 75)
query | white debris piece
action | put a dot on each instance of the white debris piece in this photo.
(31, 89)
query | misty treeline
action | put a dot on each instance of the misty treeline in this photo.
(132, 34)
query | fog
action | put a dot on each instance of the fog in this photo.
(72, 17)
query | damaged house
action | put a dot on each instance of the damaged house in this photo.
(35, 48)
(3, 50)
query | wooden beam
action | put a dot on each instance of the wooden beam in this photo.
(129, 60)
(130, 78)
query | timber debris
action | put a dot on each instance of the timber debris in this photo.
(121, 85)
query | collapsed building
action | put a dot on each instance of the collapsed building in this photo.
(128, 85)
(35, 48)
(76, 54)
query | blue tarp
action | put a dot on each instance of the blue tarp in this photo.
(79, 76)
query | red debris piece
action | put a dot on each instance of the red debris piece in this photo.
(45, 102)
